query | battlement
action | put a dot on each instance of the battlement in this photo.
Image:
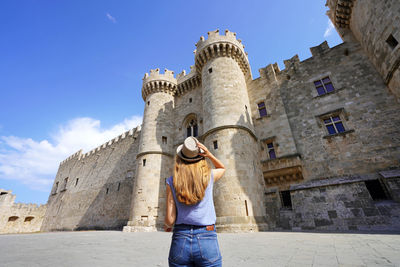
(187, 82)
(215, 37)
(340, 12)
(221, 46)
(158, 82)
(78, 155)
(28, 206)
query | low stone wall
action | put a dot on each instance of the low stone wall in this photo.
(19, 217)
(337, 204)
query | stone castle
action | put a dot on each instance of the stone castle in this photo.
(315, 146)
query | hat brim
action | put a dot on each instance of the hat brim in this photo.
(179, 153)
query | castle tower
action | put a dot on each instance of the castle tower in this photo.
(155, 155)
(375, 25)
(229, 133)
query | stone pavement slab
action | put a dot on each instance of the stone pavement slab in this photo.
(114, 248)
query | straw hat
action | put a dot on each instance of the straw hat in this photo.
(189, 151)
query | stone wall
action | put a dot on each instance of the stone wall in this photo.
(98, 191)
(19, 217)
(335, 204)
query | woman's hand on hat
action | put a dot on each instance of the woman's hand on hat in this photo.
(206, 153)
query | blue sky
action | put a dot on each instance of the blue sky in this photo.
(71, 71)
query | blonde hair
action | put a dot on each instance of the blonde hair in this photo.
(191, 180)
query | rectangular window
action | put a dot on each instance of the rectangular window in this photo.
(144, 162)
(56, 188)
(261, 109)
(65, 184)
(376, 190)
(107, 191)
(286, 199)
(76, 181)
(119, 186)
(164, 140)
(190, 100)
(324, 86)
(334, 124)
(215, 143)
(271, 150)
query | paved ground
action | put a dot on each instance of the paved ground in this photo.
(113, 248)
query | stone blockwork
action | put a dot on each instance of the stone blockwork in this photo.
(286, 169)
(19, 217)
(375, 25)
(94, 190)
(335, 204)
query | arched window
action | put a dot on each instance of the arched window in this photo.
(192, 128)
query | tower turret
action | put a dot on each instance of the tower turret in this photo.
(374, 24)
(155, 155)
(228, 130)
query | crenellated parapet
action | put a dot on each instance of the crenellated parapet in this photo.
(79, 155)
(187, 82)
(159, 82)
(340, 12)
(221, 46)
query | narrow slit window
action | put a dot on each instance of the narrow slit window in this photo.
(324, 86)
(119, 186)
(392, 42)
(215, 143)
(262, 109)
(247, 209)
(271, 150)
(107, 191)
(144, 162)
(190, 100)
(148, 103)
(164, 140)
(76, 181)
(286, 199)
(334, 124)
(376, 190)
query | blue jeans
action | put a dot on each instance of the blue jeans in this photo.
(194, 246)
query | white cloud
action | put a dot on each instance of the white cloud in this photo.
(111, 18)
(35, 163)
(329, 29)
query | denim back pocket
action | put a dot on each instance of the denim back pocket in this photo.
(208, 245)
(177, 247)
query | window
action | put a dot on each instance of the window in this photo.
(391, 41)
(271, 150)
(324, 86)
(334, 124)
(210, 70)
(192, 129)
(65, 184)
(144, 162)
(3, 193)
(107, 191)
(215, 143)
(55, 188)
(119, 186)
(190, 100)
(148, 103)
(286, 199)
(164, 140)
(376, 190)
(13, 218)
(29, 218)
(261, 109)
(76, 182)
